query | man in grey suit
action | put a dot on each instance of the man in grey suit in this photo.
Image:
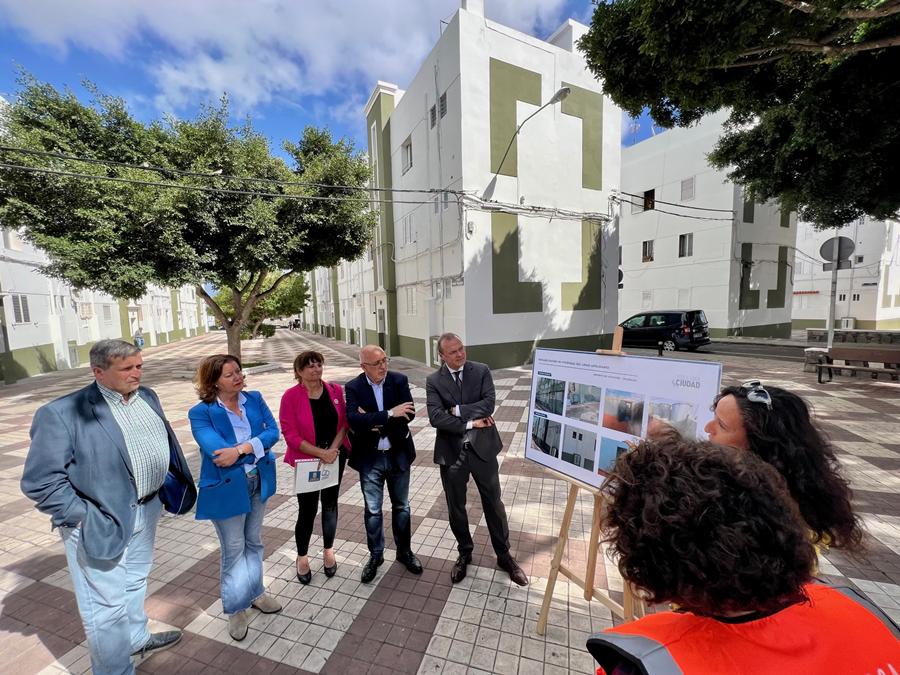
(460, 398)
(103, 463)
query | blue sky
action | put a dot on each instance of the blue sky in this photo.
(286, 63)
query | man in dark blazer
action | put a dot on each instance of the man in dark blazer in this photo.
(103, 463)
(460, 398)
(379, 408)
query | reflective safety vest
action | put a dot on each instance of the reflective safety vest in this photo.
(838, 632)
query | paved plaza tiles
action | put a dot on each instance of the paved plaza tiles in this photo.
(400, 623)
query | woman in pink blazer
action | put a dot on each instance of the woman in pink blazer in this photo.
(314, 424)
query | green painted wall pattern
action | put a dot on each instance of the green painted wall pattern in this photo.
(587, 293)
(785, 219)
(315, 301)
(749, 299)
(413, 348)
(749, 208)
(588, 105)
(775, 299)
(510, 296)
(509, 84)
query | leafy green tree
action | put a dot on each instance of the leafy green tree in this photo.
(233, 233)
(289, 298)
(813, 89)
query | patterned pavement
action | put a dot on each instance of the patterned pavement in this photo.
(400, 623)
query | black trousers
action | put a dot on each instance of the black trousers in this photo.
(308, 503)
(455, 479)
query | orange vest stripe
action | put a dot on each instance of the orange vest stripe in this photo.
(838, 631)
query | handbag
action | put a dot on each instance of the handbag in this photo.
(311, 475)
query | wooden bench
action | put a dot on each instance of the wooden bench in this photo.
(889, 358)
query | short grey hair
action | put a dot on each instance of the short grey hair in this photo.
(104, 351)
(446, 337)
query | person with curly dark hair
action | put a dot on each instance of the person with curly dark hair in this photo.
(776, 426)
(717, 532)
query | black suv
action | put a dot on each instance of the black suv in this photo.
(676, 329)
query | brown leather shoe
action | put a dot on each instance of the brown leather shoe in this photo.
(458, 573)
(516, 573)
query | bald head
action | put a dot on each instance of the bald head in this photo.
(374, 362)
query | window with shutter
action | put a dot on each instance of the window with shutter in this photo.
(433, 116)
(687, 189)
(443, 104)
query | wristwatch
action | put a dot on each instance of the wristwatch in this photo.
(391, 412)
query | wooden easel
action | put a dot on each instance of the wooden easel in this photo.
(632, 607)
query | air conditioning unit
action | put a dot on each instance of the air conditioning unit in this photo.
(848, 323)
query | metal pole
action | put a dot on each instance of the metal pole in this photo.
(834, 280)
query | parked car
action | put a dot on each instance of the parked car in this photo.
(675, 328)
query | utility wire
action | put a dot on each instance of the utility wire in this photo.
(161, 169)
(198, 188)
(679, 215)
(681, 206)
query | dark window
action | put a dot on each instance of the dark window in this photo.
(658, 320)
(686, 245)
(636, 321)
(649, 200)
(647, 251)
(433, 116)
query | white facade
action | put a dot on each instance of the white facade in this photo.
(46, 326)
(702, 246)
(868, 294)
(439, 262)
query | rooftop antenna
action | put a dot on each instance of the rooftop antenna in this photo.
(634, 129)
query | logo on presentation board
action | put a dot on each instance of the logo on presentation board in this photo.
(686, 383)
(538, 414)
(547, 374)
(315, 476)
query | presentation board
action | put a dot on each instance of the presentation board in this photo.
(586, 407)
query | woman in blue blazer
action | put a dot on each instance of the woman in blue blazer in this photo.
(235, 431)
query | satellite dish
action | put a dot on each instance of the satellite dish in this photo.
(621, 276)
(845, 249)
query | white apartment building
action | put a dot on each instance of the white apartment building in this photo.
(690, 240)
(868, 293)
(513, 246)
(45, 325)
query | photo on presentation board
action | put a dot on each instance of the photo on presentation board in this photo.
(585, 408)
(680, 415)
(583, 402)
(549, 395)
(623, 411)
(579, 447)
(610, 451)
(545, 435)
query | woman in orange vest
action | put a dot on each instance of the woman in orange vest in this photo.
(775, 425)
(717, 532)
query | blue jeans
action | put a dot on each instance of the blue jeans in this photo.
(241, 577)
(111, 593)
(385, 470)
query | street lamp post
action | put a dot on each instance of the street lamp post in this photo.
(557, 97)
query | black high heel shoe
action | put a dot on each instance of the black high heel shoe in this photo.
(304, 578)
(331, 571)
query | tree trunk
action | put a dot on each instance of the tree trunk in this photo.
(255, 331)
(234, 339)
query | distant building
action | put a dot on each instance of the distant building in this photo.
(868, 294)
(475, 256)
(45, 325)
(690, 239)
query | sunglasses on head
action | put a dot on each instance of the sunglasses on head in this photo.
(756, 393)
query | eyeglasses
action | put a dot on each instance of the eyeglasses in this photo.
(757, 393)
(386, 360)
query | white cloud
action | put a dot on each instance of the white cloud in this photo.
(262, 50)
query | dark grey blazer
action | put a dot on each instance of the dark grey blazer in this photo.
(78, 469)
(475, 402)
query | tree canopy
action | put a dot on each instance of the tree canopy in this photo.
(231, 214)
(813, 90)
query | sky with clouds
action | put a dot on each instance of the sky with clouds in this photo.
(286, 63)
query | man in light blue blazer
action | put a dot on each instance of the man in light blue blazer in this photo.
(103, 463)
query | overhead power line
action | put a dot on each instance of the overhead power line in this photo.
(181, 172)
(199, 188)
(679, 215)
(681, 206)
